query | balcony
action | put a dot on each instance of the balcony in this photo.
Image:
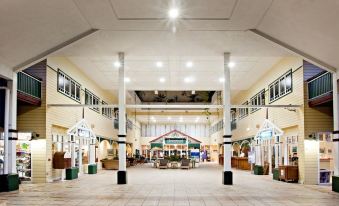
(29, 89)
(320, 89)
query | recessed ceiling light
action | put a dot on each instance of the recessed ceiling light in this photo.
(127, 79)
(117, 64)
(188, 80)
(221, 79)
(173, 13)
(189, 64)
(162, 79)
(231, 64)
(159, 64)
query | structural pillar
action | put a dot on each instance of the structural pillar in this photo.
(91, 152)
(227, 173)
(6, 132)
(335, 178)
(12, 135)
(122, 173)
(269, 147)
(276, 152)
(286, 158)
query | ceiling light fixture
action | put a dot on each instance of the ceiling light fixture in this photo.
(117, 64)
(127, 79)
(173, 13)
(162, 79)
(231, 64)
(156, 92)
(197, 119)
(221, 80)
(189, 64)
(169, 118)
(159, 64)
(180, 119)
(188, 80)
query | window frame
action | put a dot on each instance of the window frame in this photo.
(258, 97)
(241, 116)
(92, 99)
(62, 89)
(283, 78)
(106, 112)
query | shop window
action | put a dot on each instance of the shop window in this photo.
(91, 99)
(281, 87)
(68, 86)
(258, 99)
(243, 112)
(107, 112)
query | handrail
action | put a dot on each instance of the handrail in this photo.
(320, 86)
(29, 85)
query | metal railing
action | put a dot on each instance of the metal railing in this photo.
(29, 85)
(320, 86)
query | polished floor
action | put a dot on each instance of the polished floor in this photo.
(149, 186)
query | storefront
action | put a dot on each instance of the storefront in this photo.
(175, 143)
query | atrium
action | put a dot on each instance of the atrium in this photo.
(172, 102)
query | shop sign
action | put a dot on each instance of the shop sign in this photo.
(67, 155)
(175, 141)
(82, 132)
(25, 136)
(264, 135)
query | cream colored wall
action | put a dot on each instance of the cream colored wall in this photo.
(33, 119)
(67, 117)
(248, 126)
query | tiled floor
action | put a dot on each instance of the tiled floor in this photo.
(149, 186)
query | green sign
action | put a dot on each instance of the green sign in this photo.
(175, 141)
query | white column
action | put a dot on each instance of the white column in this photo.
(91, 152)
(335, 126)
(72, 150)
(122, 176)
(12, 124)
(269, 156)
(258, 152)
(280, 151)
(276, 152)
(286, 158)
(227, 176)
(6, 128)
(80, 155)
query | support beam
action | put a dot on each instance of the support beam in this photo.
(6, 131)
(276, 152)
(294, 50)
(227, 173)
(172, 106)
(122, 173)
(44, 54)
(12, 125)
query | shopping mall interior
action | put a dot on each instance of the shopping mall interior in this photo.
(172, 102)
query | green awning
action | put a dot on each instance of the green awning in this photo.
(158, 145)
(194, 145)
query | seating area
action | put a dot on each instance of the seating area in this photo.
(167, 164)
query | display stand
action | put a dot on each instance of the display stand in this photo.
(265, 139)
(84, 135)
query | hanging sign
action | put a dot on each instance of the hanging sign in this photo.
(175, 141)
(82, 132)
(265, 135)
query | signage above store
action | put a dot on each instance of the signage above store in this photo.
(265, 135)
(175, 141)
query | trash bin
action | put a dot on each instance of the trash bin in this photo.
(324, 176)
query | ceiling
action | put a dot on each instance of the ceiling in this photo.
(35, 29)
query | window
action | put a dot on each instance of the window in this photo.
(281, 87)
(243, 112)
(258, 99)
(68, 86)
(90, 98)
(107, 112)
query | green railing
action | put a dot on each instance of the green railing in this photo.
(29, 85)
(320, 86)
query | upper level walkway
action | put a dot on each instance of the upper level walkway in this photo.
(150, 186)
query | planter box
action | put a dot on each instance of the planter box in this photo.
(258, 170)
(72, 173)
(335, 183)
(92, 169)
(9, 182)
(276, 174)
